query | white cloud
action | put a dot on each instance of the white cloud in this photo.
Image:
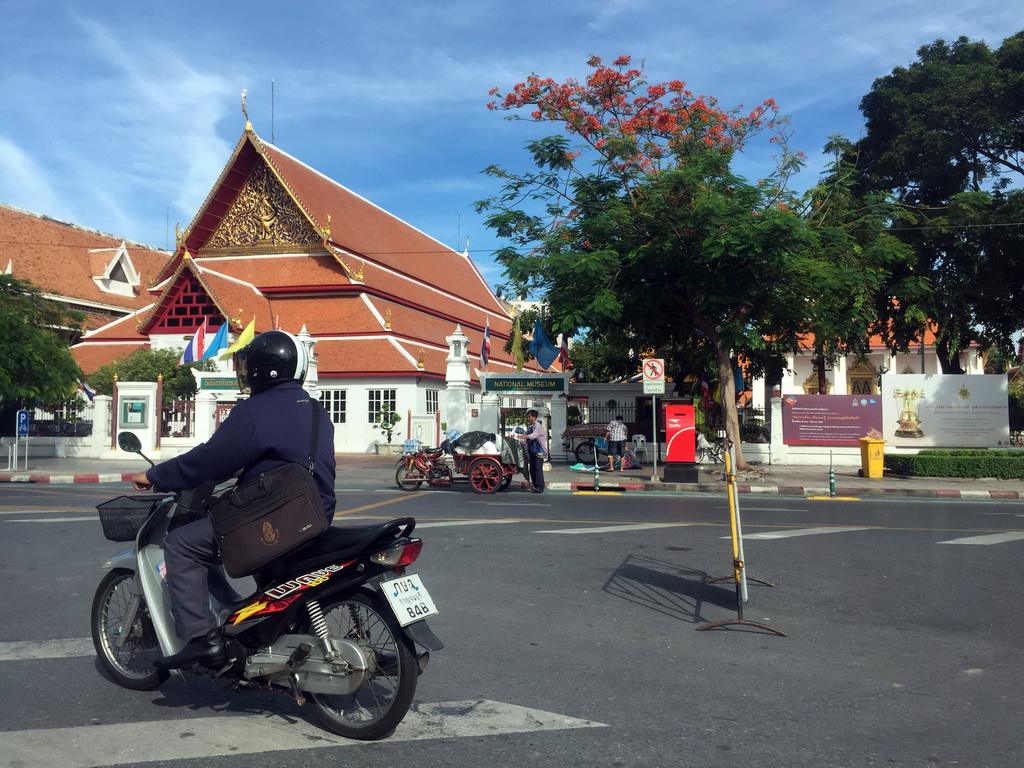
(24, 180)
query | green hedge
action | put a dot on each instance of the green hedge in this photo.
(1004, 465)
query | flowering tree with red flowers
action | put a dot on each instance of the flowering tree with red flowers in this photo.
(633, 225)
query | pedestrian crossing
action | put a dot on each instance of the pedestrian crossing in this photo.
(200, 738)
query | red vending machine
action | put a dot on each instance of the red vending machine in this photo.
(680, 444)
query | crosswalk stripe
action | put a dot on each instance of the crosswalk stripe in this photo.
(992, 538)
(30, 650)
(800, 532)
(205, 737)
(617, 528)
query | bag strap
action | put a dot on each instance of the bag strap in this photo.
(315, 436)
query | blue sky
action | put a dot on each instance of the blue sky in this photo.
(119, 116)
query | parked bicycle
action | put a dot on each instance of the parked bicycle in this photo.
(706, 450)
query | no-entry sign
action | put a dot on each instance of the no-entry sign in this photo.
(654, 376)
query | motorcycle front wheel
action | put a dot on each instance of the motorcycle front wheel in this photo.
(126, 653)
(375, 708)
(408, 477)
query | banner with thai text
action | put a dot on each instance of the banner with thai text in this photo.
(830, 419)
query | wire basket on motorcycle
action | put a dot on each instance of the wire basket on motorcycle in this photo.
(122, 517)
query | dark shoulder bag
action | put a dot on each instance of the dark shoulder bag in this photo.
(270, 515)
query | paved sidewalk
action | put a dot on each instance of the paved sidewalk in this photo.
(371, 472)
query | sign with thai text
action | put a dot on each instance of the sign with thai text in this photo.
(218, 382)
(830, 419)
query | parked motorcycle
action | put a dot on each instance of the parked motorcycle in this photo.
(426, 464)
(335, 624)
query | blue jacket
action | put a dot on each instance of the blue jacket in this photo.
(269, 429)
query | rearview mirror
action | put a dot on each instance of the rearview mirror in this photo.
(129, 441)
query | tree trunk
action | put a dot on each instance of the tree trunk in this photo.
(727, 391)
(949, 360)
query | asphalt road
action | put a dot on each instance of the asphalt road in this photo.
(570, 628)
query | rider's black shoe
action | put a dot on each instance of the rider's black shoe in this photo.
(207, 650)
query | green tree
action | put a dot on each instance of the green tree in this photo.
(641, 234)
(35, 362)
(146, 365)
(944, 137)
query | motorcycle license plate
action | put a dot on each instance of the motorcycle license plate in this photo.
(409, 599)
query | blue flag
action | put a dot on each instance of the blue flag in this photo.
(541, 348)
(219, 342)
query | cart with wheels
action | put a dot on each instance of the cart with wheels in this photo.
(490, 471)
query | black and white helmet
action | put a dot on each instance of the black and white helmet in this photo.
(271, 358)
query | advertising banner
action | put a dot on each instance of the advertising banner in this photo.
(830, 419)
(926, 410)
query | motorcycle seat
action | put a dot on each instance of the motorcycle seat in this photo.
(337, 544)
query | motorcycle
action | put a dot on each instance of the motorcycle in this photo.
(337, 624)
(425, 464)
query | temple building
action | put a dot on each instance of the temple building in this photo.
(278, 245)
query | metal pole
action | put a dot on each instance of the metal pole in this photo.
(739, 524)
(654, 418)
(831, 477)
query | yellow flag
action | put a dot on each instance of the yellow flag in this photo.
(517, 346)
(243, 340)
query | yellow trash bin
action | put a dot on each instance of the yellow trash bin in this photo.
(871, 453)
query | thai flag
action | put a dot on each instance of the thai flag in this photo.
(196, 346)
(219, 342)
(89, 391)
(485, 346)
(563, 352)
(705, 390)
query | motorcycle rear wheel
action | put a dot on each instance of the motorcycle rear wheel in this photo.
(131, 665)
(384, 698)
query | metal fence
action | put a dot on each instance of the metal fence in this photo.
(68, 418)
(178, 418)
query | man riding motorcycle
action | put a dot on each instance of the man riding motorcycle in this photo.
(262, 433)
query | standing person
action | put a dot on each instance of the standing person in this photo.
(616, 435)
(263, 432)
(536, 448)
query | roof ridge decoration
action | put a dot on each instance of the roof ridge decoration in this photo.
(336, 252)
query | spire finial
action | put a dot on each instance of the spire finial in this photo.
(248, 125)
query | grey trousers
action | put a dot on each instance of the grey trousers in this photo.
(188, 552)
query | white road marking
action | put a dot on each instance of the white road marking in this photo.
(89, 519)
(798, 532)
(204, 737)
(30, 650)
(91, 514)
(991, 538)
(618, 528)
(508, 503)
(446, 523)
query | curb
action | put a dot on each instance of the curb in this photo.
(55, 479)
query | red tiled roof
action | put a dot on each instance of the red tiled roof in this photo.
(62, 259)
